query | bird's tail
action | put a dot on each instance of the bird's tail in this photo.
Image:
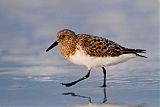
(135, 51)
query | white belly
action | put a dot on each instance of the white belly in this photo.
(80, 58)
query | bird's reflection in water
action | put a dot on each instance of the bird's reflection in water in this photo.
(104, 102)
(86, 97)
(75, 95)
(105, 95)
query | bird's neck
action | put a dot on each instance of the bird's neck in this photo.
(67, 47)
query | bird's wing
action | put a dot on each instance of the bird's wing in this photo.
(98, 46)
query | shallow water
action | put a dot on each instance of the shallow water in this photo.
(37, 83)
(30, 77)
(40, 92)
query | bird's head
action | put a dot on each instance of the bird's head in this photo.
(62, 35)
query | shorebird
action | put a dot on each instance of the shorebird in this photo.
(92, 52)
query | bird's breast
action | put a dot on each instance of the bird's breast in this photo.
(67, 49)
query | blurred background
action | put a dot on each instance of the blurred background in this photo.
(28, 27)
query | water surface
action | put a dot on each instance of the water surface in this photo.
(30, 77)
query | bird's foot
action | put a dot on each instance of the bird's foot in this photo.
(103, 86)
(68, 84)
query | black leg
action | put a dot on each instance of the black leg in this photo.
(74, 82)
(104, 72)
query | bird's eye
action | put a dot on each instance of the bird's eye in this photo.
(63, 36)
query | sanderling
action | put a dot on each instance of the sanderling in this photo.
(92, 51)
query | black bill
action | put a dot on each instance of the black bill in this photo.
(52, 46)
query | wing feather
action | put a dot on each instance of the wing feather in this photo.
(98, 46)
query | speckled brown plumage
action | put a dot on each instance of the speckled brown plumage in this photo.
(67, 40)
(92, 45)
(92, 52)
(99, 47)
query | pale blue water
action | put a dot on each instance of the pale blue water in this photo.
(33, 84)
(30, 77)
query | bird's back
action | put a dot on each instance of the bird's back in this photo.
(98, 46)
(101, 47)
